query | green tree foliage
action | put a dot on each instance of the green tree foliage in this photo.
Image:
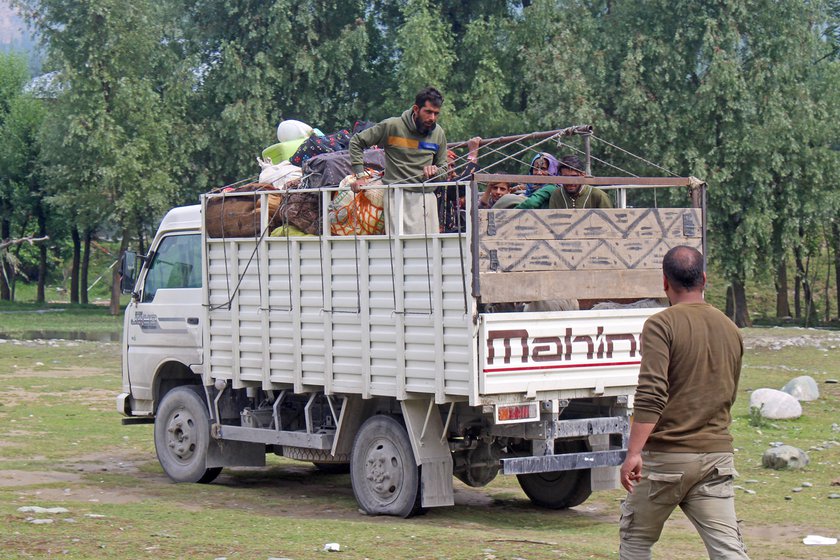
(19, 115)
(258, 63)
(157, 102)
(109, 140)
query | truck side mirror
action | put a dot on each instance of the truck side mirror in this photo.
(128, 272)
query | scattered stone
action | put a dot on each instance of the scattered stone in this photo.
(94, 515)
(751, 481)
(775, 405)
(40, 521)
(806, 485)
(788, 498)
(776, 443)
(39, 509)
(802, 388)
(332, 547)
(835, 482)
(784, 457)
(796, 490)
(748, 491)
(834, 496)
(819, 540)
(832, 381)
(835, 427)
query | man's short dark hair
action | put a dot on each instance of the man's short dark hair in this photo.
(430, 94)
(683, 267)
(572, 162)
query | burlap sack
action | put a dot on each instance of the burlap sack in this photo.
(239, 216)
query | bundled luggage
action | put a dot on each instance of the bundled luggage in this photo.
(303, 158)
(239, 216)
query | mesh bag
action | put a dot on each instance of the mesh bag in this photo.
(357, 213)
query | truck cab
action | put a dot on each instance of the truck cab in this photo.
(162, 342)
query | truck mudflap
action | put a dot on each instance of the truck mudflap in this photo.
(563, 429)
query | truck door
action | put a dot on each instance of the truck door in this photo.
(164, 322)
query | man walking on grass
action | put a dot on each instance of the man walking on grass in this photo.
(680, 451)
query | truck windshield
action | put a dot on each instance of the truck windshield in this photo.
(176, 264)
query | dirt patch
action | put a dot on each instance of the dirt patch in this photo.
(33, 478)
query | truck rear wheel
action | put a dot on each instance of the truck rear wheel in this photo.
(182, 436)
(384, 474)
(556, 490)
(561, 489)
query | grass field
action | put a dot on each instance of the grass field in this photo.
(62, 445)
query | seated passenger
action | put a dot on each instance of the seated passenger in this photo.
(494, 192)
(543, 164)
(577, 196)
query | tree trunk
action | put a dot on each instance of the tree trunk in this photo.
(742, 314)
(74, 269)
(6, 271)
(835, 241)
(42, 254)
(115, 277)
(782, 302)
(797, 286)
(780, 281)
(802, 277)
(83, 277)
(730, 303)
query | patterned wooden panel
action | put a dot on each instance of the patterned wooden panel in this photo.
(577, 254)
(575, 284)
(613, 223)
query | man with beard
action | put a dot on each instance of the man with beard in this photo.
(576, 196)
(415, 151)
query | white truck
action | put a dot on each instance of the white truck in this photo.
(377, 353)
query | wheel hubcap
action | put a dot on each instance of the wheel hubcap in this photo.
(384, 470)
(180, 435)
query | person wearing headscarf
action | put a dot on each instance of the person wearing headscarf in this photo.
(543, 164)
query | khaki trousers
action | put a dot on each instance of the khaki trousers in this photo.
(701, 484)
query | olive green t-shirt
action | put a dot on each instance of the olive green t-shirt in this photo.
(589, 197)
(691, 362)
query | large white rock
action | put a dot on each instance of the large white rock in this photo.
(802, 388)
(784, 457)
(776, 405)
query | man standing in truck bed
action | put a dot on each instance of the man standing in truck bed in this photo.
(680, 451)
(415, 150)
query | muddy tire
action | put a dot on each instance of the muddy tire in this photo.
(383, 472)
(316, 456)
(557, 490)
(182, 437)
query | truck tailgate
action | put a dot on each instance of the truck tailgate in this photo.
(574, 353)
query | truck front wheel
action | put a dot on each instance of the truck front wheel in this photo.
(384, 474)
(182, 436)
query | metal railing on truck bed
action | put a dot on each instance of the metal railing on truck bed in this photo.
(399, 315)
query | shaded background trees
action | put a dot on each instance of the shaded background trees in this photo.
(156, 102)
